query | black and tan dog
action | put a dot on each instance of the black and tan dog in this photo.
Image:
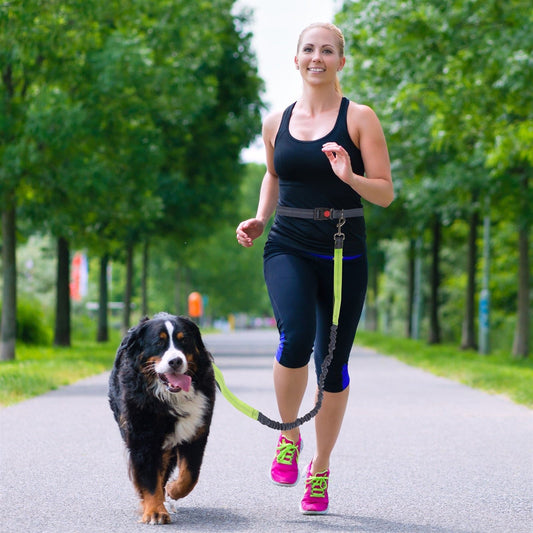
(162, 393)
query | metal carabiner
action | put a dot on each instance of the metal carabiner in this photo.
(340, 223)
(339, 236)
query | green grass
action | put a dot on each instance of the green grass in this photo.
(39, 369)
(496, 373)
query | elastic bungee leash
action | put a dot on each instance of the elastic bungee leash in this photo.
(315, 214)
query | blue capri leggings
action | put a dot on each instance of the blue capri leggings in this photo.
(300, 287)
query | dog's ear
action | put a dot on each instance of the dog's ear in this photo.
(131, 338)
(194, 331)
(190, 325)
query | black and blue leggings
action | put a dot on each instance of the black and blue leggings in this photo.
(300, 286)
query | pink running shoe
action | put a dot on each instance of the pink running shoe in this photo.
(315, 500)
(284, 469)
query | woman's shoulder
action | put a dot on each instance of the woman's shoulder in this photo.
(360, 118)
(275, 117)
(271, 124)
(272, 119)
(360, 111)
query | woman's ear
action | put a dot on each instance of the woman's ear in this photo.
(296, 62)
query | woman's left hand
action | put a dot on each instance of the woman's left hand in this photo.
(339, 160)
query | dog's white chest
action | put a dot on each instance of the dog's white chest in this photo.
(190, 410)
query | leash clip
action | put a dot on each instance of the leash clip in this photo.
(339, 236)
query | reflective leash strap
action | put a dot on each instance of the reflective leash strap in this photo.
(337, 271)
(232, 399)
(337, 293)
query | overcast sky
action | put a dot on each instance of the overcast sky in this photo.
(276, 26)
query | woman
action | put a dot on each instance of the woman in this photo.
(323, 151)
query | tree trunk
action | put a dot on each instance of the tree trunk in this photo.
(371, 312)
(468, 340)
(126, 315)
(9, 294)
(417, 290)
(410, 288)
(144, 280)
(181, 290)
(62, 325)
(522, 333)
(434, 325)
(103, 328)
(177, 290)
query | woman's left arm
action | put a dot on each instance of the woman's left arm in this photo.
(366, 132)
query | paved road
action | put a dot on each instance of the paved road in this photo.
(418, 454)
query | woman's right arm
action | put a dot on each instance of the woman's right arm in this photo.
(249, 230)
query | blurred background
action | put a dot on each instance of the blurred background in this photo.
(130, 150)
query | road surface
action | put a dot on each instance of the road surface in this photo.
(417, 454)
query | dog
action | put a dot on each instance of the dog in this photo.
(162, 394)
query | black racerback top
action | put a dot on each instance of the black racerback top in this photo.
(306, 180)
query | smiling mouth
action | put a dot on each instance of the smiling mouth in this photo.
(315, 69)
(176, 382)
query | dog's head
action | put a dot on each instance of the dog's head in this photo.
(168, 350)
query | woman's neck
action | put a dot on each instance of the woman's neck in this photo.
(316, 100)
(314, 116)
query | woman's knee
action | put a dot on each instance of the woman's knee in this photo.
(295, 348)
(338, 379)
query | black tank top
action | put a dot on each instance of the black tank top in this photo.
(306, 180)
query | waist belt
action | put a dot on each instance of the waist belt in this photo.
(319, 213)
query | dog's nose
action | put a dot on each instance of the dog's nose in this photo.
(176, 364)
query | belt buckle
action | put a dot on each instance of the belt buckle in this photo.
(323, 213)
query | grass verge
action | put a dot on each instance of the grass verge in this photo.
(39, 369)
(496, 373)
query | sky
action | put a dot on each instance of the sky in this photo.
(276, 25)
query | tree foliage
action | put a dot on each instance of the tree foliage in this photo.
(121, 124)
(118, 119)
(450, 80)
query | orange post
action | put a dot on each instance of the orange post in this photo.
(195, 305)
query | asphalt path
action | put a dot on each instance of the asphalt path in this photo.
(417, 454)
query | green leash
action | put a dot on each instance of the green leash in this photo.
(337, 293)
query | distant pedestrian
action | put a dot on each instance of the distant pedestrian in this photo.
(323, 151)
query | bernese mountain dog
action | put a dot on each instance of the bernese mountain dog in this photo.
(162, 394)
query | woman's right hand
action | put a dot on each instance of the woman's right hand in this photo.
(248, 230)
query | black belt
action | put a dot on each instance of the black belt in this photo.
(319, 213)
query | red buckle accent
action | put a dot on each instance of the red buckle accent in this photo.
(323, 213)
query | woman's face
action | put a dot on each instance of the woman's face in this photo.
(319, 56)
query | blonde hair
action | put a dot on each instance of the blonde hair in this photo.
(340, 43)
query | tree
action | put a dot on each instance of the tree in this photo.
(451, 78)
(104, 104)
(27, 56)
(9, 294)
(489, 88)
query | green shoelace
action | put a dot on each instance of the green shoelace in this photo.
(286, 452)
(319, 485)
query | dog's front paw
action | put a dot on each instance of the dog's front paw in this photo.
(155, 516)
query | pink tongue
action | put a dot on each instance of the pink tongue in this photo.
(183, 381)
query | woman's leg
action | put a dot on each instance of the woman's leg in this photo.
(329, 419)
(290, 385)
(328, 424)
(291, 282)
